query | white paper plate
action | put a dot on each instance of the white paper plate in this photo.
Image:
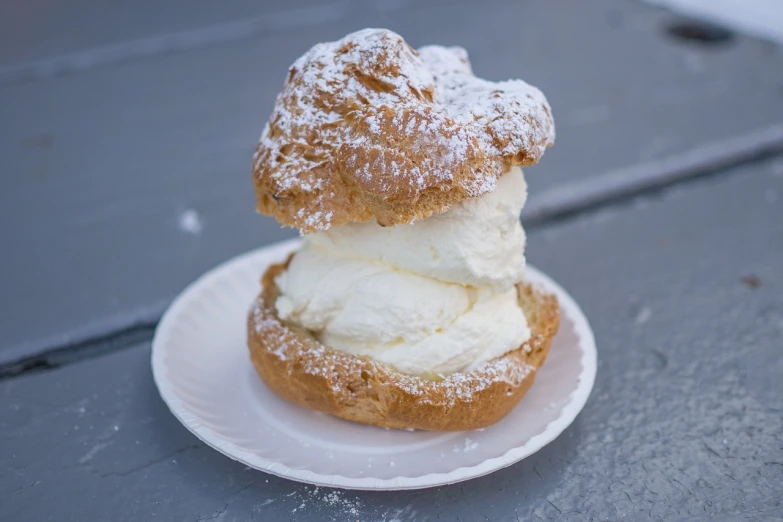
(203, 372)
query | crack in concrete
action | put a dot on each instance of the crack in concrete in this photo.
(147, 465)
(213, 517)
(22, 488)
(554, 506)
(217, 514)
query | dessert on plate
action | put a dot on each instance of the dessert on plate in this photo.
(406, 305)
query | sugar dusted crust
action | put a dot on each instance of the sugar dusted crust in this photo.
(301, 370)
(369, 127)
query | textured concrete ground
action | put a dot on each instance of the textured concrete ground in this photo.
(125, 173)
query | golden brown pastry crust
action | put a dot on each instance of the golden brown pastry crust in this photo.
(369, 127)
(298, 368)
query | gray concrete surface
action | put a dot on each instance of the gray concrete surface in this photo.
(36, 30)
(123, 181)
(683, 289)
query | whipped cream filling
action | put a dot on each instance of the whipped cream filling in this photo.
(434, 297)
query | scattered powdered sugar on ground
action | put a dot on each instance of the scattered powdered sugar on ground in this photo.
(190, 222)
(336, 498)
(316, 503)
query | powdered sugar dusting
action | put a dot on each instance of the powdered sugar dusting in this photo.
(316, 359)
(369, 120)
(493, 110)
(333, 503)
(270, 326)
(463, 386)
